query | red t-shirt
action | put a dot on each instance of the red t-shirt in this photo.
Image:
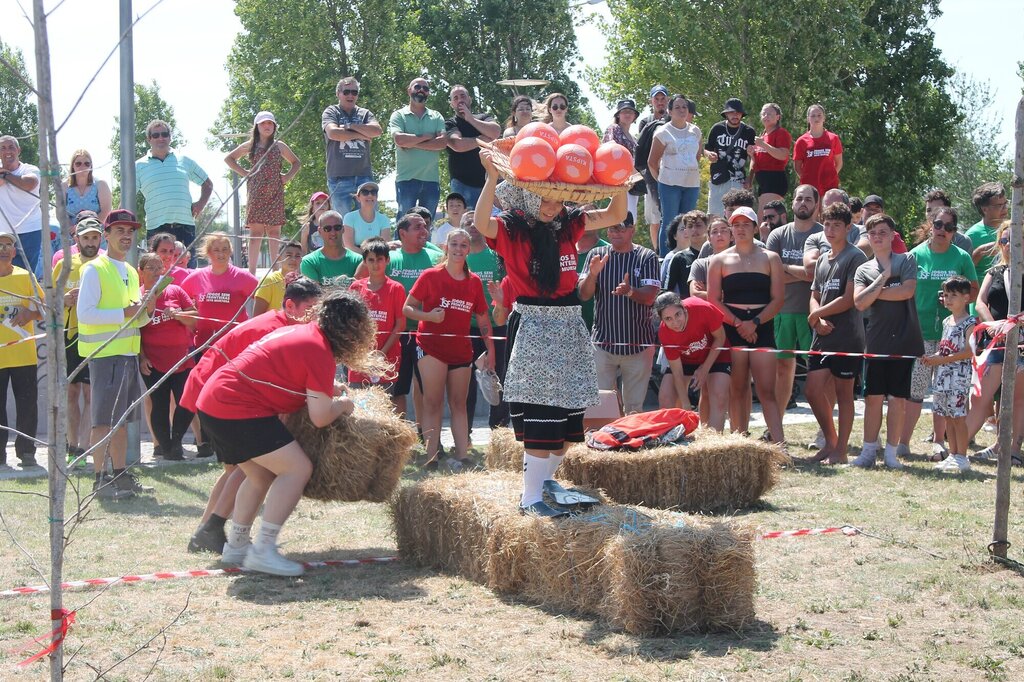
(461, 299)
(164, 339)
(278, 370)
(218, 298)
(763, 161)
(516, 253)
(818, 155)
(232, 343)
(385, 306)
(693, 344)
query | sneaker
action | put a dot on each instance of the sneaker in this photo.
(819, 442)
(128, 481)
(28, 461)
(892, 460)
(490, 386)
(902, 450)
(231, 555)
(989, 453)
(106, 490)
(207, 540)
(204, 450)
(266, 559)
(543, 510)
(75, 458)
(954, 464)
(866, 458)
(174, 453)
(991, 426)
(930, 438)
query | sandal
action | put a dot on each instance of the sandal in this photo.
(431, 465)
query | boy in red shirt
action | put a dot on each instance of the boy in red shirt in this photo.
(385, 299)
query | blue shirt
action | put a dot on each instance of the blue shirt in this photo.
(164, 184)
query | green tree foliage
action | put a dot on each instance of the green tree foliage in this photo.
(18, 115)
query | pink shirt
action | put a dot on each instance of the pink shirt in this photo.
(218, 298)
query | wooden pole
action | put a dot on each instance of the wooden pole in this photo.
(999, 532)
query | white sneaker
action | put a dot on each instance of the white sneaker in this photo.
(266, 559)
(955, 464)
(819, 442)
(866, 458)
(990, 425)
(892, 460)
(234, 555)
(902, 450)
(990, 453)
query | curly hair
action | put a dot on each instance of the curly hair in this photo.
(345, 320)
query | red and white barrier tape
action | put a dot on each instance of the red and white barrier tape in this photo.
(175, 575)
(802, 532)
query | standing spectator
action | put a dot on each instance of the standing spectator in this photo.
(19, 205)
(556, 109)
(385, 299)
(884, 290)
(309, 233)
(731, 201)
(264, 212)
(623, 281)
(163, 179)
(88, 237)
(82, 191)
(773, 216)
(463, 130)
(109, 299)
(727, 145)
(522, 113)
(837, 326)
(674, 164)
(348, 130)
(875, 205)
(857, 209)
(454, 208)
(588, 241)
(935, 201)
(162, 244)
(20, 305)
(659, 107)
(720, 239)
(818, 154)
(770, 157)
(791, 330)
(675, 268)
(270, 293)
(990, 201)
(82, 215)
(625, 115)
(332, 264)
(165, 342)
(220, 290)
(366, 221)
(419, 138)
(658, 98)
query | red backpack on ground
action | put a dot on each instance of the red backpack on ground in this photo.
(645, 430)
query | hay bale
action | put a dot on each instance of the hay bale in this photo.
(504, 452)
(647, 571)
(359, 457)
(712, 472)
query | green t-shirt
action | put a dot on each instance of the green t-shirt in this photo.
(581, 265)
(330, 272)
(485, 266)
(980, 234)
(932, 270)
(405, 268)
(433, 248)
(416, 164)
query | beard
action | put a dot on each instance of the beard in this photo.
(89, 251)
(803, 213)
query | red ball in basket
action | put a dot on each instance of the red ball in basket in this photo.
(542, 130)
(612, 164)
(532, 159)
(573, 164)
(581, 135)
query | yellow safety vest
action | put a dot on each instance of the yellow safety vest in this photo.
(113, 295)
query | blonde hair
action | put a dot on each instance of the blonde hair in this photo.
(72, 181)
(1001, 231)
(211, 239)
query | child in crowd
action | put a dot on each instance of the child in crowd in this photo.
(270, 293)
(953, 373)
(454, 207)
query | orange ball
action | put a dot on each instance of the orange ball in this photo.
(574, 164)
(532, 159)
(581, 135)
(612, 164)
(542, 130)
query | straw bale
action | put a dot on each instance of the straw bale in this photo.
(647, 571)
(504, 452)
(358, 457)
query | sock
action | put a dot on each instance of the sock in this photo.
(118, 472)
(238, 535)
(890, 451)
(872, 446)
(553, 462)
(267, 537)
(215, 522)
(535, 470)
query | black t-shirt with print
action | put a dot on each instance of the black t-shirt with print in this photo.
(731, 146)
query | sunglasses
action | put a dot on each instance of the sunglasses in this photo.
(350, 92)
(420, 86)
(331, 228)
(162, 133)
(948, 227)
(558, 107)
(1004, 241)
(368, 192)
(83, 164)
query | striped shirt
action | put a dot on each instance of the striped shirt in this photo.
(164, 185)
(620, 319)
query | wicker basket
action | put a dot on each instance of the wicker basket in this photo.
(557, 191)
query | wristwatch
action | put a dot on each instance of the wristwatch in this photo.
(756, 320)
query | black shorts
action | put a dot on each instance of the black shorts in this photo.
(421, 354)
(716, 368)
(772, 182)
(890, 377)
(842, 367)
(74, 360)
(239, 440)
(406, 365)
(765, 330)
(543, 427)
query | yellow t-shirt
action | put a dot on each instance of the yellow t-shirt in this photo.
(272, 290)
(16, 292)
(74, 281)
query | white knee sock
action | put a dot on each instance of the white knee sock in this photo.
(535, 471)
(553, 462)
(267, 536)
(238, 535)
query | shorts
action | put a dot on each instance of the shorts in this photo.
(74, 360)
(716, 368)
(240, 440)
(765, 333)
(950, 404)
(406, 365)
(888, 377)
(772, 182)
(842, 367)
(115, 386)
(792, 333)
(544, 427)
(420, 354)
(921, 380)
(997, 357)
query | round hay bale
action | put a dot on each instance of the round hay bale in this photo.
(358, 457)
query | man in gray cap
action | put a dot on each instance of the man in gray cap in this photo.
(726, 148)
(659, 112)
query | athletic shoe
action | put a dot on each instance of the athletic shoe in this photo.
(232, 555)
(991, 426)
(175, 453)
(930, 438)
(543, 510)
(204, 450)
(902, 450)
(207, 540)
(490, 386)
(819, 442)
(28, 461)
(989, 453)
(954, 464)
(127, 481)
(106, 490)
(567, 498)
(266, 559)
(866, 458)
(892, 460)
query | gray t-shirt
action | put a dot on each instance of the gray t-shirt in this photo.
(832, 276)
(819, 242)
(699, 271)
(351, 158)
(788, 243)
(892, 325)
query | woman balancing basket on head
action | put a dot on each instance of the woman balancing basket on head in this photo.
(551, 376)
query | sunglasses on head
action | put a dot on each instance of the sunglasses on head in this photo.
(162, 133)
(350, 92)
(334, 227)
(558, 107)
(939, 225)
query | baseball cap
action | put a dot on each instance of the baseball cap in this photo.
(89, 225)
(10, 236)
(85, 213)
(264, 116)
(733, 104)
(121, 216)
(368, 185)
(745, 212)
(658, 88)
(874, 199)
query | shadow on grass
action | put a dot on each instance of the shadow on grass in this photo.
(757, 636)
(393, 581)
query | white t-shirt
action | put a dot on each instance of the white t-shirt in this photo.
(20, 208)
(679, 165)
(440, 233)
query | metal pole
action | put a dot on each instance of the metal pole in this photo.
(236, 223)
(999, 531)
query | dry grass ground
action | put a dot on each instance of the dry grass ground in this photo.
(828, 608)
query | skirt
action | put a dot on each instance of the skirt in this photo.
(550, 357)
